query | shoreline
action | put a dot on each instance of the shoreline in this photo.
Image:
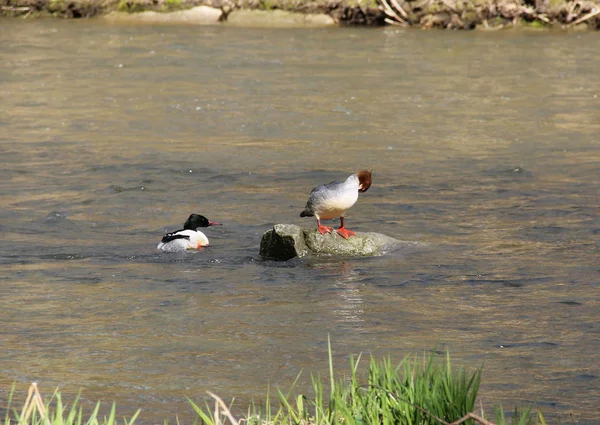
(442, 14)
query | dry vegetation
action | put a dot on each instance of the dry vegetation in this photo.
(468, 14)
(448, 14)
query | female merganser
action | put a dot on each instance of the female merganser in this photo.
(188, 237)
(331, 200)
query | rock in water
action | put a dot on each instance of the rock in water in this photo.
(363, 244)
(283, 242)
(286, 241)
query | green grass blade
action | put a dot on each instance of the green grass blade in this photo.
(206, 418)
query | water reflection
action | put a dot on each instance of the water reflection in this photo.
(344, 296)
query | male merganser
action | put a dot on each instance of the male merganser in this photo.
(331, 200)
(188, 237)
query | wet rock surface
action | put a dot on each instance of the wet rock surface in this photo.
(287, 241)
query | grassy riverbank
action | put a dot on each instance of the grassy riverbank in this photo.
(449, 14)
(418, 391)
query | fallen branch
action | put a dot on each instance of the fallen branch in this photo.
(390, 12)
(585, 17)
(571, 13)
(399, 9)
(543, 18)
(393, 22)
(16, 9)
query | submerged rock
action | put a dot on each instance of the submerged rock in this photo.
(286, 241)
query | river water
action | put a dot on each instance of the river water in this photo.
(485, 148)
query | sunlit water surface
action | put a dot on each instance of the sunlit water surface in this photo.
(484, 146)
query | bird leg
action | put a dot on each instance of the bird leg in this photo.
(343, 232)
(323, 229)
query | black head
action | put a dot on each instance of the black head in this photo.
(196, 220)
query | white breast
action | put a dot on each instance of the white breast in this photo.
(333, 199)
(336, 206)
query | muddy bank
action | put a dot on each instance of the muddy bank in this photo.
(340, 12)
(447, 14)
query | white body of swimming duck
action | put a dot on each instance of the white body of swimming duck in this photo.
(188, 237)
(332, 200)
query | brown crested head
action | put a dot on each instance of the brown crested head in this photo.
(364, 180)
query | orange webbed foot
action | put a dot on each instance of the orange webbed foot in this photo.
(324, 229)
(345, 233)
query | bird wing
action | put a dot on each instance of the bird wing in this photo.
(173, 236)
(316, 195)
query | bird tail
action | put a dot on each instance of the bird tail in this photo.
(307, 213)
